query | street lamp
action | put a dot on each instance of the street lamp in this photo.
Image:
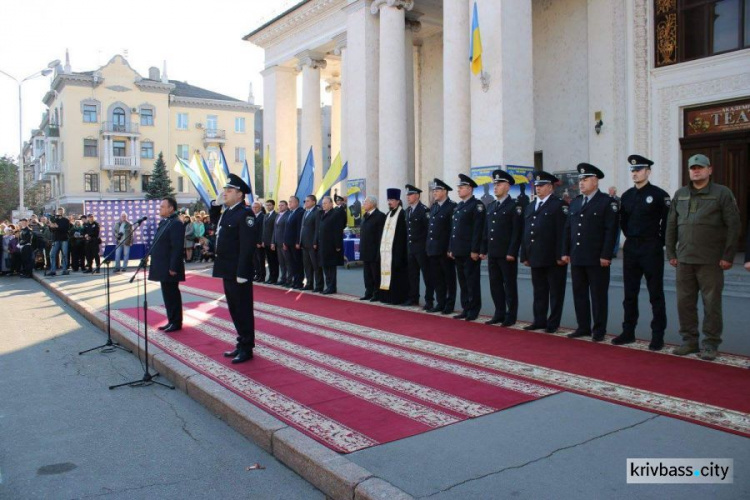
(43, 72)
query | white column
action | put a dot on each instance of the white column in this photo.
(341, 51)
(137, 148)
(412, 26)
(362, 74)
(311, 132)
(334, 87)
(394, 149)
(502, 117)
(280, 127)
(456, 89)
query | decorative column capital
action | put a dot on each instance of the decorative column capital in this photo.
(333, 84)
(413, 25)
(399, 4)
(340, 41)
(314, 60)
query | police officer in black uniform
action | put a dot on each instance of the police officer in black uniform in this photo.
(26, 245)
(442, 268)
(464, 247)
(91, 235)
(588, 246)
(643, 218)
(541, 250)
(417, 223)
(236, 236)
(500, 243)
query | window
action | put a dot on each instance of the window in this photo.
(145, 179)
(239, 155)
(183, 151)
(147, 116)
(182, 121)
(147, 149)
(180, 184)
(120, 183)
(89, 113)
(118, 120)
(90, 148)
(212, 157)
(118, 148)
(212, 122)
(239, 125)
(91, 183)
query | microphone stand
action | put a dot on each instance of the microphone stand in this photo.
(110, 345)
(148, 377)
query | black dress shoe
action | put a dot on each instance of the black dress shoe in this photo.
(463, 315)
(598, 338)
(446, 311)
(172, 328)
(427, 306)
(328, 292)
(508, 322)
(624, 338)
(656, 345)
(375, 298)
(318, 290)
(231, 354)
(164, 327)
(495, 320)
(242, 356)
(436, 309)
(308, 289)
(410, 303)
(550, 329)
(471, 317)
(534, 327)
(577, 334)
(366, 297)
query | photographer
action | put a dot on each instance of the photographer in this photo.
(123, 235)
(60, 226)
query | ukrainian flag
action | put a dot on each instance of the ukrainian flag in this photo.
(184, 169)
(475, 53)
(334, 175)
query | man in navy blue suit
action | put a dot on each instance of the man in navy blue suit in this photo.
(291, 242)
(167, 265)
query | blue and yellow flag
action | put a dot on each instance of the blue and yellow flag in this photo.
(210, 177)
(184, 169)
(245, 176)
(336, 173)
(306, 178)
(196, 166)
(475, 53)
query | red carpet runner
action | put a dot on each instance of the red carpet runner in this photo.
(353, 375)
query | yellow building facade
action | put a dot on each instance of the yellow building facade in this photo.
(104, 130)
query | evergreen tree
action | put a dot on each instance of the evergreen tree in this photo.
(160, 185)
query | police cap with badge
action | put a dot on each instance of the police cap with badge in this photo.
(499, 176)
(465, 180)
(235, 182)
(438, 184)
(637, 162)
(412, 189)
(541, 177)
(337, 198)
(589, 170)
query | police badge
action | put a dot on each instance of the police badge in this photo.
(519, 209)
(250, 221)
(649, 199)
(565, 209)
(667, 201)
(480, 207)
(614, 206)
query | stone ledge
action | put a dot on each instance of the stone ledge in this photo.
(375, 488)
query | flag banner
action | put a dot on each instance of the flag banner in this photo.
(182, 168)
(475, 52)
(246, 177)
(336, 173)
(267, 173)
(107, 214)
(196, 166)
(224, 164)
(278, 181)
(307, 177)
(210, 177)
(355, 195)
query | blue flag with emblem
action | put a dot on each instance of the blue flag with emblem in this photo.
(306, 178)
(245, 176)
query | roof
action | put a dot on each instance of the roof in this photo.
(183, 89)
(280, 16)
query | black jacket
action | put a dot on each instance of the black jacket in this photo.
(467, 228)
(543, 231)
(590, 231)
(439, 229)
(293, 227)
(279, 225)
(166, 254)
(236, 235)
(309, 228)
(417, 225)
(330, 238)
(502, 230)
(643, 212)
(370, 233)
(268, 224)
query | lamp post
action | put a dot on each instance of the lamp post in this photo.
(44, 72)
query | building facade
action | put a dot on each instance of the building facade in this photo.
(105, 129)
(563, 82)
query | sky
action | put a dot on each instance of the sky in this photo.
(201, 42)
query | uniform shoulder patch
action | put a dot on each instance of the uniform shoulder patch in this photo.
(614, 206)
(250, 221)
(565, 209)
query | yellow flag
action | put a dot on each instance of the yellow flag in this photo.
(278, 182)
(331, 177)
(267, 172)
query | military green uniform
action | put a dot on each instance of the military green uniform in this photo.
(702, 228)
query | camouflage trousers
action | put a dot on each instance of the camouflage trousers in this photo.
(708, 281)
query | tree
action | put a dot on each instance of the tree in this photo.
(8, 187)
(160, 185)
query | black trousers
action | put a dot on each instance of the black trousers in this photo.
(259, 261)
(297, 270)
(27, 260)
(284, 271)
(644, 258)
(443, 273)
(92, 254)
(240, 303)
(78, 256)
(504, 287)
(170, 292)
(549, 294)
(467, 270)
(329, 273)
(590, 296)
(273, 265)
(418, 262)
(313, 271)
(371, 273)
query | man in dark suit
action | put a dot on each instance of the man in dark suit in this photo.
(417, 224)
(278, 244)
(588, 245)
(500, 243)
(260, 255)
(167, 264)
(464, 246)
(329, 240)
(541, 250)
(442, 268)
(291, 242)
(236, 236)
(269, 223)
(310, 221)
(370, 234)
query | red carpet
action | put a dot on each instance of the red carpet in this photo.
(711, 394)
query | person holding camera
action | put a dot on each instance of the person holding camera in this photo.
(123, 230)
(60, 226)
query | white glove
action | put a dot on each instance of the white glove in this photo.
(241, 280)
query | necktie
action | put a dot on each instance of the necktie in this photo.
(585, 201)
(408, 212)
(539, 205)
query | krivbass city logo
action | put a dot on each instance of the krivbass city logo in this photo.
(680, 470)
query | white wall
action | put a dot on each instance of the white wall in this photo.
(431, 112)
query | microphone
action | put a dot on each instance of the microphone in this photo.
(141, 220)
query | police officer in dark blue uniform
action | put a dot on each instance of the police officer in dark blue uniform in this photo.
(236, 236)
(643, 218)
(167, 262)
(442, 268)
(464, 247)
(500, 244)
(417, 225)
(588, 246)
(541, 250)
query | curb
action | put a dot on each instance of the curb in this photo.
(332, 473)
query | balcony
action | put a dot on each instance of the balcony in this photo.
(112, 128)
(121, 163)
(52, 131)
(50, 168)
(214, 136)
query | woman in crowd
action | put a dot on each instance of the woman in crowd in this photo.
(199, 230)
(77, 246)
(11, 258)
(189, 237)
